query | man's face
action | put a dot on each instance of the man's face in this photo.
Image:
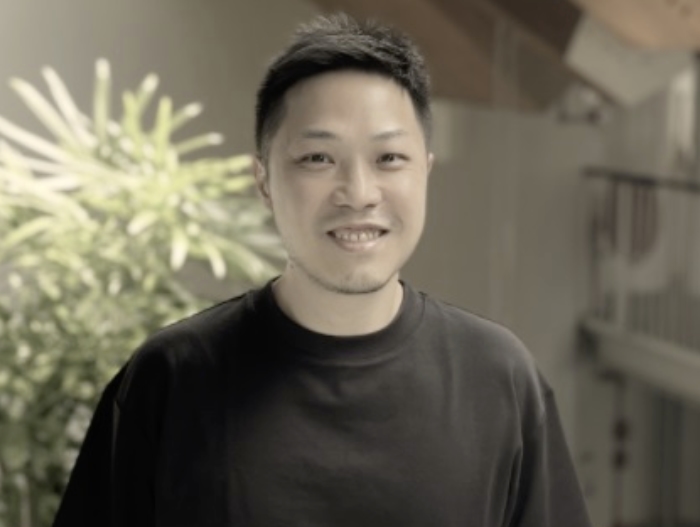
(346, 180)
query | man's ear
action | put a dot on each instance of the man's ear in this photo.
(262, 181)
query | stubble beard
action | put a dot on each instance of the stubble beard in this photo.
(348, 285)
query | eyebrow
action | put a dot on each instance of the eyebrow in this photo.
(390, 134)
(318, 134)
(325, 134)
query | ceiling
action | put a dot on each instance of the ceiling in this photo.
(512, 53)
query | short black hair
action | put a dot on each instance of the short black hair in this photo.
(339, 42)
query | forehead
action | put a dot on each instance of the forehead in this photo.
(348, 97)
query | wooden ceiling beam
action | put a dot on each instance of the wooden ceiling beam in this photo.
(545, 29)
(550, 23)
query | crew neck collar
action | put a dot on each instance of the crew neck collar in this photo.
(317, 347)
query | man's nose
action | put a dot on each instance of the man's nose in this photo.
(358, 187)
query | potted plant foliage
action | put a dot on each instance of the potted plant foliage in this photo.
(96, 225)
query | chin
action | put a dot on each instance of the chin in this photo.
(354, 283)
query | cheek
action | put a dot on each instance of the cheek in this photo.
(410, 199)
(283, 195)
(295, 204)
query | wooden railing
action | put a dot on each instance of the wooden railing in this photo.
(644, 280)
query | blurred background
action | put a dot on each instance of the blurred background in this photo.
(564, 203)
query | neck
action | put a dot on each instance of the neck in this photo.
(323, 311)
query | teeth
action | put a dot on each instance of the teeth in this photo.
(357, 236)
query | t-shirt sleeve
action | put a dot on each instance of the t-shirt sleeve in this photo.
(137, 412)
(87, 497)
(112, 483)
(547, 491)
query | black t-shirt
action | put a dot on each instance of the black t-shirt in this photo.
(238, 416)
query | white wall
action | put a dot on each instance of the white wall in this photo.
(636, 138)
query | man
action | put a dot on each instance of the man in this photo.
(336, 395)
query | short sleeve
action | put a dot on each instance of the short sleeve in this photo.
(546, 488)
(112, 482)
(87, 498)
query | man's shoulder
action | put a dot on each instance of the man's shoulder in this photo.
(188, 346)
(478, 334)
(199, 336)
(488, 350)
(210, 324)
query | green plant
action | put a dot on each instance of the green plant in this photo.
(95, 228)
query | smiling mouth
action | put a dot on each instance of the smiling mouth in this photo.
(357, 240)
(357, 235)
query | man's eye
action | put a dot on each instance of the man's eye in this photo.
(391, 159)
(315, 158)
